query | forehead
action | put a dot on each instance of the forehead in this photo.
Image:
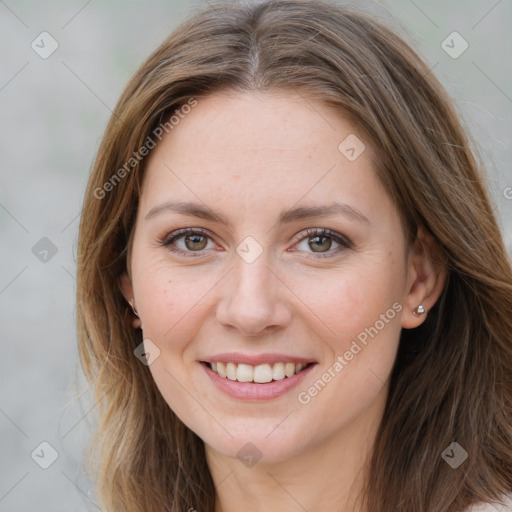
(278, 121)
(258, 149)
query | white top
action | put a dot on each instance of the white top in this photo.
(494, 507)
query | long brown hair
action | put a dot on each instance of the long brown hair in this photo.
(452, 380)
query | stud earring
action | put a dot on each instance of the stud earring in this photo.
(136, 321)
(420, 310)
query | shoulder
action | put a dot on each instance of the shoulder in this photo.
(505, 505)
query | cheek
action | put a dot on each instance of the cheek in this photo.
(357, 315)
(171, 300)
(172, 310)
(362, 312)
(342, 304)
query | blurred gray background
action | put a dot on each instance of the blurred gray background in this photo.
(53, 110)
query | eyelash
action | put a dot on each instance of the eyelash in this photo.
(344, 242)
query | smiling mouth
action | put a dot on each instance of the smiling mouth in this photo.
(260, 374)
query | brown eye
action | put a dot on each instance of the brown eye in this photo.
(323, 242)
(189, 242)
(320, 243)
(195, 242)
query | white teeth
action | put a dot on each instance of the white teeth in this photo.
(278, 371)
(231, 371)
(289, 369)
(260, 374)
(221, 369)
(245, 373)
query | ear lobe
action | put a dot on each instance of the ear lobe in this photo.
(125, 284)
(427, 276)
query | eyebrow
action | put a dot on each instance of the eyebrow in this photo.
(286, 217)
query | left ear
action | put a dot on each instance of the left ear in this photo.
(125, 284)
(426, 277)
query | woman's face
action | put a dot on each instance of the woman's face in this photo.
(295, 257)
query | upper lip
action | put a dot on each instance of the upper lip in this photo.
(255, 360)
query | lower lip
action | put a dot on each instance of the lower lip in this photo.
(251, 391)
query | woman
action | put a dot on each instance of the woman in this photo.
(292, 290)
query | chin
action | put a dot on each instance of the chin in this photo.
(257, 447)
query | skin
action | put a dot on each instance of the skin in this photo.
(250, 156)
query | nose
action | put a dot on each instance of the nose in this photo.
(253, 299)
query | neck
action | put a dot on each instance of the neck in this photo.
(329, 475)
